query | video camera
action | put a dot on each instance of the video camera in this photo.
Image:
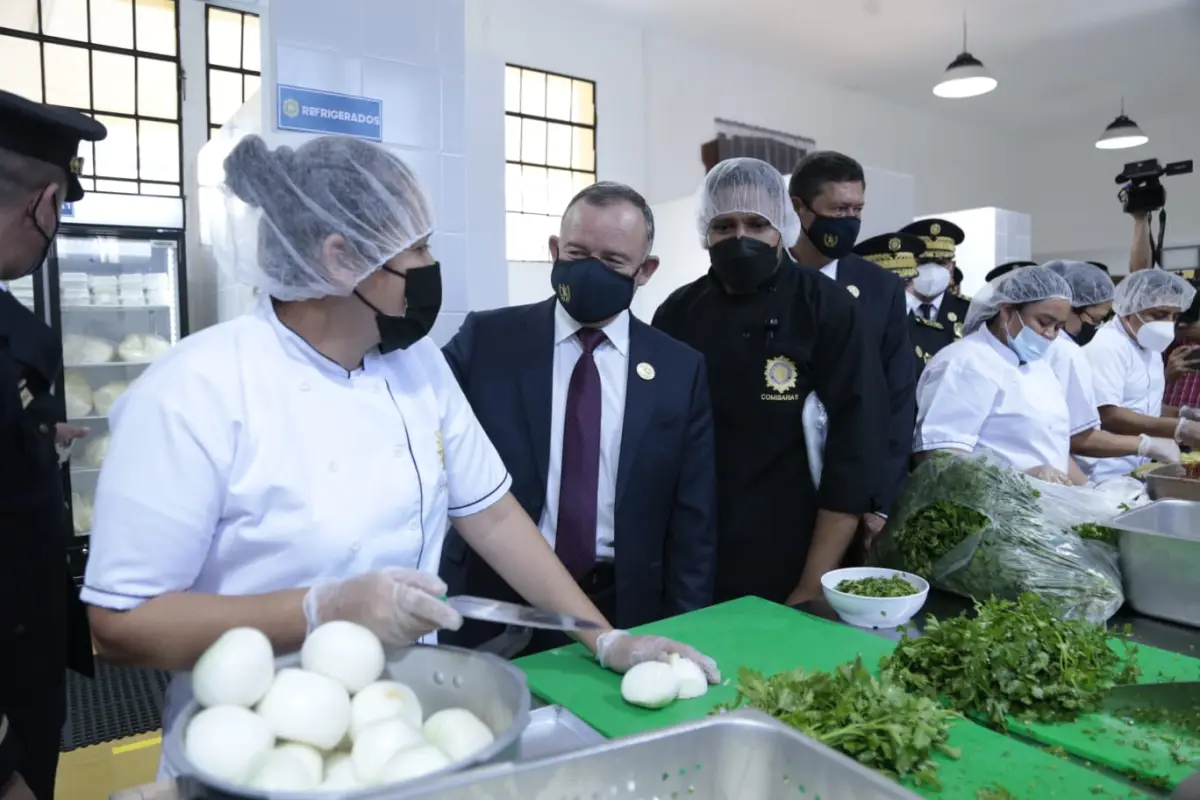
(1143, 192)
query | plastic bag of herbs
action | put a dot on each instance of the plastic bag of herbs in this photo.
(971, 525)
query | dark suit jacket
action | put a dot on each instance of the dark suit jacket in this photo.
(881, 301)
(665, 520)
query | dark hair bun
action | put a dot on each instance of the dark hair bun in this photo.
(248, 168)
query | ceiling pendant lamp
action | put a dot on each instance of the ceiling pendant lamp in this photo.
(966, 76)
(1121, 133)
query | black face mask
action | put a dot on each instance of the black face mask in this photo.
(1086, 331)
(743, 263)
(49, 237)
(590, 291)
(834, 237)
(422, 302)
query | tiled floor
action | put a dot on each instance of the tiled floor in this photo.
(94, 773)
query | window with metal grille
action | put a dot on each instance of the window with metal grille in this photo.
(549, 153)
(115, 60)
(233, 52)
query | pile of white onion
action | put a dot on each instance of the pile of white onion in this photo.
(332, 724)
(657, 684)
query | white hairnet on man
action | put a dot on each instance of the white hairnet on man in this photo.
(1152, 288)
(283, 205)
(1090, 285)
(747, 186)
(1017, 288)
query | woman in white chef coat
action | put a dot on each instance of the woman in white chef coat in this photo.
(1092, 293)
(1127, 367)
(993, 389)
(298, 464)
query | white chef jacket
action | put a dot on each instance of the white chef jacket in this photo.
(1074, 374)
(245, 462)
(612, 358)
(1126, 375)
(974, 395)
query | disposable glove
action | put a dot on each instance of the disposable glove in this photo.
(1158, 449)
(620, 651)
(398, 605)
(1049, 475)
(1188, 432)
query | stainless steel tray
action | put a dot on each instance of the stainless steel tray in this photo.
(1168, 481)
(744, 755)
(1160, 559)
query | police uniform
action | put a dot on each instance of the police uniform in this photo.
(940, 238)
(765, 352)
(42, 626)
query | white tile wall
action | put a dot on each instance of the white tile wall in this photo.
(411, 55)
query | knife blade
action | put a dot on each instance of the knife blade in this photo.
(1178, 704)
(485, 610)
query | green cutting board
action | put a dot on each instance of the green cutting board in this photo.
(770, 638)
(1159, 757)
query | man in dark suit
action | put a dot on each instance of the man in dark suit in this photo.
(930, 300)
(827, 190)
(43, 630)
(604, 423)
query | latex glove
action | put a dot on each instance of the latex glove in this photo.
(620, 651)
(1188, 432)
(1158, 449)
(1187, 412)
(1049, 475)
(398, 605)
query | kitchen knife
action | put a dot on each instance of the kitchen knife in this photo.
(480, 608)
(1180, 701)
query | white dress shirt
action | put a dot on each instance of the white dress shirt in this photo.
(975, 395)
(914, 304)
(830, 269)
(245, 462)
(1126, 375)
(612, 362)
(1074, 374)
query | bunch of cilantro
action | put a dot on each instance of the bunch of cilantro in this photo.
(869, 718)
(1018, 659)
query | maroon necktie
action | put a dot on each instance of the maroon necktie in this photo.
(575, 537)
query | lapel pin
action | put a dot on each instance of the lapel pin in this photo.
(645, 371)
(852, 289)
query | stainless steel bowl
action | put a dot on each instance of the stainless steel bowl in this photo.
(1160, 559)
(442, 677)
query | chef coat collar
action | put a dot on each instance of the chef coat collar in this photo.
(1000, 347)
(616, 330)
(299, 349)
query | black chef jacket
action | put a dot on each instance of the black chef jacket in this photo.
(765, 352)
(42, 623)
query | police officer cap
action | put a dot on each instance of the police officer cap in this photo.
(940, 237)
(895, 252)
(1098, 265)
(1005, 268)
(47, 133)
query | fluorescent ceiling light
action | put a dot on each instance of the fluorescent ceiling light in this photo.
(965, 77)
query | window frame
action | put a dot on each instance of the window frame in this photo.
(89, 180)
(520, 162)
(209, 67)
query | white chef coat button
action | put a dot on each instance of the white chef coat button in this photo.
(333, 467)
(305, 386)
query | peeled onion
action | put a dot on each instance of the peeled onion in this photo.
(281, 770)
(413, 762)
(344, 651)
(306, 707)
(339, 773)
(458, 732)
(651, 684)
(236, 670)
(307, 757)
(227, 742)
(384, 700)
(376, 744)
(692, 681)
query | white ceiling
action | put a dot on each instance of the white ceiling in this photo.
(1058, 61)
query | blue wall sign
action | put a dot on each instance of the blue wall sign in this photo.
(68, 211)
(312, 111)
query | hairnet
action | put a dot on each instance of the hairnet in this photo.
(1024, 285)
(747, 186)
(1152, 288)
(1089, 284)
(282, 206)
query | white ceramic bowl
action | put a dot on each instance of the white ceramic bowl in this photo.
(873, 612)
